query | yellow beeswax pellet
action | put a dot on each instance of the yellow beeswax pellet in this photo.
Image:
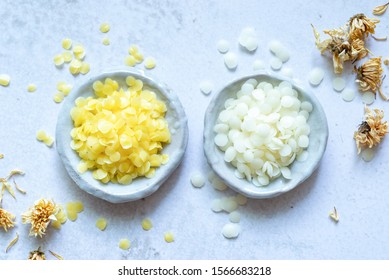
(150, 63)
(1, 156)
(130, 81)
(31, 88)
(85, 67)
(146, 224)
(49, 141)
(106, 41)
(41, 135)
(101, 224)
(58, 60)
(130, 60)
(67, 43)
(4, 80)
(169, 237)
(138, 57)
(58, 97)
(76, 206)
(133, 49)
(72, 215)
(56, 224)
(105, 27)
(75, 66)
(78, 49)
(67, 56)
(124, 244)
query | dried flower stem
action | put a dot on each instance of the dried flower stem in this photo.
(334, 215)
(56, 255)
(379, 10)
(12, 243)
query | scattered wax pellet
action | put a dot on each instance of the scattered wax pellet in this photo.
(248, 39)
(106, 41)
(58, 97)
(234, 217)
(133, 49)
(72, 215)
(229, 204)
(146, 224)
(231, 230)
(206, 87)
(78, 206)
(31, 88)
(49, 141)
(218, 184)
(348, 95)
(231, 60)
(138, 57)
(216, 205)
(368, 154)
(124, 244)
(101, 224)
(75, 66)
(275, 63)
(223, 46)
(105, 27)
(130, 60)
(169, 237)
(149, 62)
(258, 65)
(241, 199)
(58, 60)
(67, 56)
(67, 43)
(368, 97)
(85, 67)
(4, 80)
(1, 156)
(316, 76)
(197, 179)
(338, 84)
(41, 135)
(56, 224)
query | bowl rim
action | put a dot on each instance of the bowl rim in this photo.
(262, 192)
(63, 140)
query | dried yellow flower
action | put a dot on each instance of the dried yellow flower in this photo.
(380, 9)
(340, 46)
(369, 76)
(372, 130)
(7, 219)
(40, 216)
(361, 26)
(37, 255)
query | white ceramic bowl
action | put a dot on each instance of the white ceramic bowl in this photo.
(300, 170)
(140, 187)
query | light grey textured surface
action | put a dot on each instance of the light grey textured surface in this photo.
(182, 36)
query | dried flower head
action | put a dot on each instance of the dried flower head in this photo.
(37, 255)
(340, 46)
(379, 10)
(40, 216)
(372, 130)
(369, 76)
(7, 220)
(361, 26)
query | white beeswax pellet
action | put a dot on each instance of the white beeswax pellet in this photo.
(348, 95)
(368, 97)
(223, 46)
(234, 217)
(231, 60)
(316, 76)
(4, 80)
(338, 84)
(367, 154)
(197, 179)
(275, 63)
(206, 87)
(216, 205)
(231, 230)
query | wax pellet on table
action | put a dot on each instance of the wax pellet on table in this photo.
(348, 94)
(58, 97)
(206, 87)
(197, 179)
(231, 60)
(41, 135)
(72, 216)
(130, 60)
(216, 205)
(169, 237)
(150, 62)
(218, 184)
(231, 230)
(106, 41)
(229, 204)
(105, 27)
(85, 68)
(67, 43)
(67, 56)
(31, 88)
(4, 80)
(368, 97)
(124, 244)
(315, 76)
(146, 224)
(56, 224)
(241, 199)
(58, 60)
(275, 63)
(75, 66)
(338, 84)
(234, 217)
(368, 154)
(101, 224)
(223, 46)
